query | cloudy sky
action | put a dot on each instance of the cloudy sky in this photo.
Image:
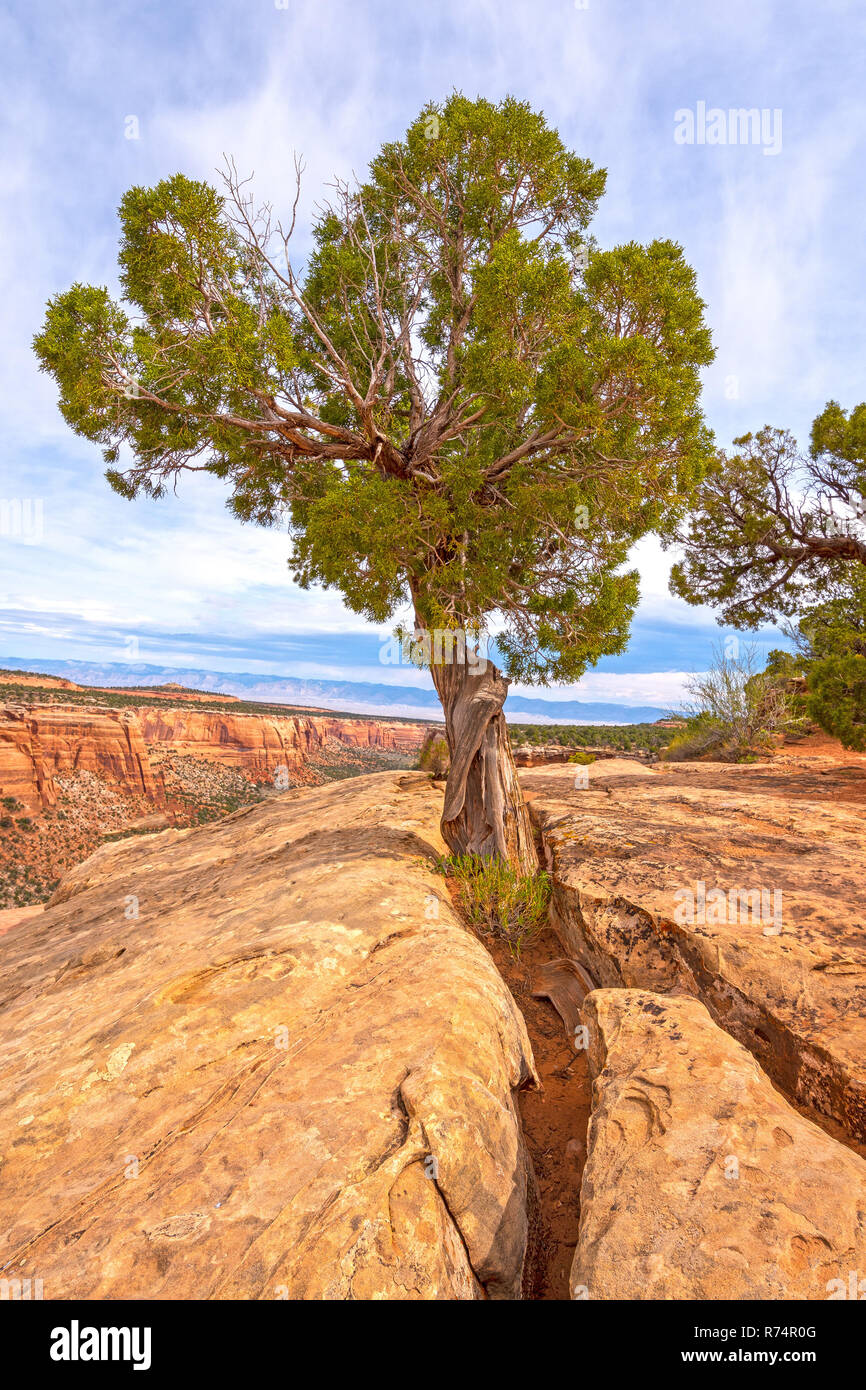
(775, 233)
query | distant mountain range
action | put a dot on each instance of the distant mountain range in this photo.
(350, 697)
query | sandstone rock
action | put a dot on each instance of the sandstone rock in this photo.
(566, 984)
(13, 916)
(701, 1182)
(262, 1059)
(654, 873)
(259, 744)
(39, 742)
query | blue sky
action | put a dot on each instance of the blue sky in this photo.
(776, 240)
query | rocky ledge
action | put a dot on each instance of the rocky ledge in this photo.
(700, 1181)
(740, 885)
(262, 1059)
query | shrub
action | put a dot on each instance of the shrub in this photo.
(580, 757)
(434, 756)
(702, 737)
(734, 713)
(497, 900)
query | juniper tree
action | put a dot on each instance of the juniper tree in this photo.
(771, 526)
(458, 401)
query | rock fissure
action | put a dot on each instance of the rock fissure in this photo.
(713, 1171)
(445, 1134)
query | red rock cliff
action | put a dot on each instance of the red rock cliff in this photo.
(40, 742)
(258, 744)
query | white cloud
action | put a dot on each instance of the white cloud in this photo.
(663, 688)
(777, 242)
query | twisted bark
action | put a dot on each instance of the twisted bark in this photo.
(484, 811)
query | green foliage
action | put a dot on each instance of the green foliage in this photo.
(584, 759)
(463, 400)
(434, 756)
(833, 657)
(837, 697)
(619, 736)
(772, 527)
(735, 711)
(499, 901)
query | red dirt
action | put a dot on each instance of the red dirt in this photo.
(553, 1118)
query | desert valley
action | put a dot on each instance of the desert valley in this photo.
(79, 765)
(260, 1047)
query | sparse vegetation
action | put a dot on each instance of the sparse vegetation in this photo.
(497, 900)
(735, 713)
(621, 737)
(434, 756)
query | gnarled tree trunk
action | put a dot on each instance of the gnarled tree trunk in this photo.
(484, 811)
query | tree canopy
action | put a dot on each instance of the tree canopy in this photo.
(777, 533)
(457, 398)
(773, 528)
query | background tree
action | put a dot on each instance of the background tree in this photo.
(458, 401)
(778, 534)
(773, 527)
(829, 660)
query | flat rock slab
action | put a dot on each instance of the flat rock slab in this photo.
(263, 1059)
(701, 1182)
(741, 885)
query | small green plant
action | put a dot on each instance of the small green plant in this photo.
(584, 759)
(497, 900)
(434, 756)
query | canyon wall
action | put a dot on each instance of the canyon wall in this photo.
(258, 744)
(41, 742)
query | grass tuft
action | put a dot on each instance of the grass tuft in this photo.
(498, 901)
